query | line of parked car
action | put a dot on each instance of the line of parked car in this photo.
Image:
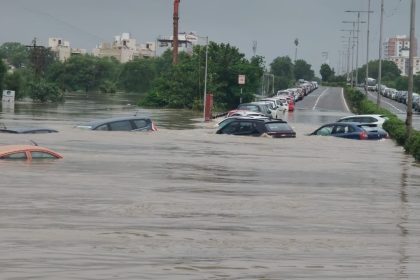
(275, 106)
(399, 96)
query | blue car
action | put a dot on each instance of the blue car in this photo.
(351, 130)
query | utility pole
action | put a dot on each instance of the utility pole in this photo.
(358, 30)
(296, 49)
(378, 97)
(367, 47)
(37, 57)
(409, 119)
(175, 33)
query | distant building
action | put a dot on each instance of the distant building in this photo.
(397, 50)
(124, 48)
(402, 64)
(186, 41)
(62, 48)
(398, 46)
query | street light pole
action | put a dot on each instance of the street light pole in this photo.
(357, 30)
(409, 119)
(378, 98)
(367, 47)
(205, 79)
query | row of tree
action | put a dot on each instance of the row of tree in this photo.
(39, 75)
(391, 75)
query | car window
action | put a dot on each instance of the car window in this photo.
(369, 120)
(341, 129)
(102, 127)
(246, 127)
(36, 155)
(19, 155)
(141, 123)
(230, 128)
(120, 126)
(277, 126)
(324, 131)
(253, 108)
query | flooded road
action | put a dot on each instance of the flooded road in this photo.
(189, 204)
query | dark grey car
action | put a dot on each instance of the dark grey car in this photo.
(130, 123)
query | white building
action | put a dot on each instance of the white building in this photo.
(397, 50)
(62, 48)
(124, 48)
(186, 41)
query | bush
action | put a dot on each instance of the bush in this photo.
(396, 129)
(43, 91)
(412, 145)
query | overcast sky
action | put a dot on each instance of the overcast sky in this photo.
(274, 24)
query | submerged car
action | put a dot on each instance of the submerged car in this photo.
(366, 119)
(26, 130)
(351, 131)
(257, 107)
(234, 118)
(27, 152)
(130, 123)
(257, 127)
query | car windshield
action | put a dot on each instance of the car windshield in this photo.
(249, 107)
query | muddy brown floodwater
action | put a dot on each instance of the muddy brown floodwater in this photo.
(189, 204)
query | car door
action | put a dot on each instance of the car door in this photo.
(247, 128)
(344, 131)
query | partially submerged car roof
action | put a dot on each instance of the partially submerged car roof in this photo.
(23, 130)
(96, 123)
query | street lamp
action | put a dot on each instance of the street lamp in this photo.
(357, 42)
(368, 32)
(409, 119)
(205, 77)
(378, 97)
(351, 36)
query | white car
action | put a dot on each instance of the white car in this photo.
(280, 106)
(378, 120)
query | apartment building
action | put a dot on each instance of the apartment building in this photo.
(124, 48)
(397, 50)
(62, 48)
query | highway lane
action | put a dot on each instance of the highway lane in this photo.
(396, 108)
(331, 100)
(325, 98)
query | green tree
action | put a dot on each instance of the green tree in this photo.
(13, 81)
(390, 71)
(15, 53)
(3, 71)
(138, 75)
(401, 83)
(180, 86)
(303, 70)
(282, 67)
(43, 91)
(84, 72)
(326, 72)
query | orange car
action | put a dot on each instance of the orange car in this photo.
(27, 152)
